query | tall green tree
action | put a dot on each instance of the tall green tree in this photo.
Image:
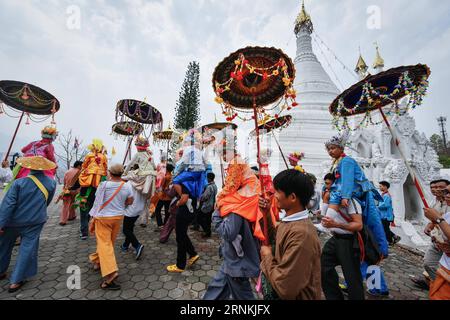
(188, 105)
(437, 143)
(187, 110)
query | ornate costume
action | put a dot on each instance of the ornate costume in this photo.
(43, 148)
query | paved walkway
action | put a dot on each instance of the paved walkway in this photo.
(61, 248)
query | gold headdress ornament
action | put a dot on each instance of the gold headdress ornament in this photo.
(96, 145)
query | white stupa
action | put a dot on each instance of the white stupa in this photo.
(311, 126)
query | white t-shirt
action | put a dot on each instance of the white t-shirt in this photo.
(445, 260)
(117, 206)
(337, 217)
(138, 204)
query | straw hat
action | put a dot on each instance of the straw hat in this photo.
(36, 163)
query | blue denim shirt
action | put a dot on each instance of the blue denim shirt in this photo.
(24, 203)
(241, 259)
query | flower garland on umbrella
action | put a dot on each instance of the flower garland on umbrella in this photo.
(375, 96)
(25, 95)
(243, 68)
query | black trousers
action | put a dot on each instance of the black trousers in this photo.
(159, 206)
(128, 231)
(184, 244)
(387, 230)
(84, 214)
(204, 220)
(340, 251)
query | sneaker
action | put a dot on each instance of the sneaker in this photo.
(124, 248)
(376, 293)
(193, 260)
(396, 239)
(174, 269)
(139, 251)
(83, 237)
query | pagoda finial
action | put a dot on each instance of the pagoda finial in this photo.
(361, 66)
(379, 61)
(303, 20)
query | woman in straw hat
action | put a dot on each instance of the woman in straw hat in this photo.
(23, 214)
(111, 200)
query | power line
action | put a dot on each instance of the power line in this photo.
(336, 57)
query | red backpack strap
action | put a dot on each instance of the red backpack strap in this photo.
(362, 252)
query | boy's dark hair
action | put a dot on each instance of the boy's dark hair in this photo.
(295, 182)
(329, 176)
(170, 167)
(211, 176)
(312, 177)
(386, 184)
(78, 164)
(440, 180)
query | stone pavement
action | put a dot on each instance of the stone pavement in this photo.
(61, 248)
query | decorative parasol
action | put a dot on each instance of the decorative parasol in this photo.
(27, 99)
(251, 79)
(140, 112)
(165, 136)
(270, 125)
(208, 138)
(127, 129)
(382, 92)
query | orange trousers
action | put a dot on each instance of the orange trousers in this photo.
(68, 212)
(106, 230)
(440, 288)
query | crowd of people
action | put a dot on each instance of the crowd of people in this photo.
(270, 228)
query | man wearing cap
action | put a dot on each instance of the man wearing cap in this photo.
(23, 214)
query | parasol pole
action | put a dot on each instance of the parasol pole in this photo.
(411, 172)
(258, 148)
(130, 140)
(221, 171)
(14, 136)
(281, 151)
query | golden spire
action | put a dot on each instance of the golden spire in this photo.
(303, 19)
(361, 66)
(379, 61)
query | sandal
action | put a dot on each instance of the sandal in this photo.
(110, 286)
(19, 285)
(193, 260)
(96, 267)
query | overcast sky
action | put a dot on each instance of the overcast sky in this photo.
(140, 49)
